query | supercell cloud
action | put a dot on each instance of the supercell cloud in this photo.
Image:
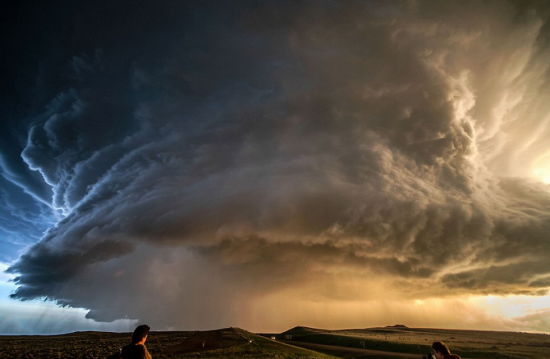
(199, 159)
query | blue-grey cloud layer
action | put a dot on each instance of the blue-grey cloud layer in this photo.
(284, 141)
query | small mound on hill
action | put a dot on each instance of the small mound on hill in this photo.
(397, 326)
(298, 331)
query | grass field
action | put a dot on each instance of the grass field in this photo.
(467, 343)
(223, 343)
(238, 343)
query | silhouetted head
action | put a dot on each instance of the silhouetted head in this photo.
(440, 349)
(140, 333)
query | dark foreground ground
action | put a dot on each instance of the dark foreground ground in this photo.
(298, 343)
(413, 342)
(223, 343)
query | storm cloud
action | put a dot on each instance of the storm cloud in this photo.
(208, 156)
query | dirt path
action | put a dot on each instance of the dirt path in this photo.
(364, 353)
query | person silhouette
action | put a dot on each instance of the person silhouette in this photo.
(137, 349)
(441, 351)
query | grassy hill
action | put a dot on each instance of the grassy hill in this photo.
(400, 339)
(385, 342)
(222, 343)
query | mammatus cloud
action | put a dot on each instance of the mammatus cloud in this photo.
(319, 150)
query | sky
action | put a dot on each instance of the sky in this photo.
(267, 164)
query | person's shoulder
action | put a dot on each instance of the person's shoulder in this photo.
(133, 348)
(139, 349)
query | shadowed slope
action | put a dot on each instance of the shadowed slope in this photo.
(417, 341)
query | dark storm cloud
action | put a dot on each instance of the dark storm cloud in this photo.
(288, 141)
(22, 221)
